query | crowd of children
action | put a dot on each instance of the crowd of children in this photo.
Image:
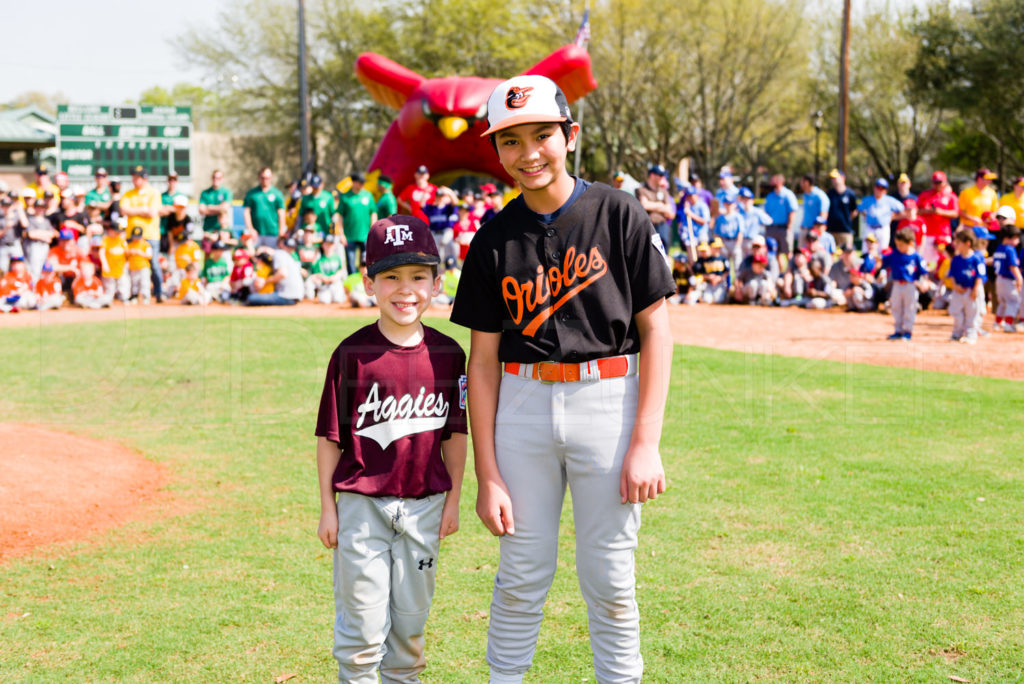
(726, 257)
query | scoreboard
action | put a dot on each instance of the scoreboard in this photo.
(119, 138)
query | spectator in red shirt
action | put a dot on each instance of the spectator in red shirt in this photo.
(937, 205)
(422, 192)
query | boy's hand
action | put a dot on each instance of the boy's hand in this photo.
(449, 516)
(494, 507)
(643, 477)
(328, 528)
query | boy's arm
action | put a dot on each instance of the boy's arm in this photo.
(643, 477)
(454, 451)
(327, 456)
(493, 503)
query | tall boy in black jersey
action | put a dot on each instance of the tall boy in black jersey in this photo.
(564, 291)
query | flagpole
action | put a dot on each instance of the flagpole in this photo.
(582, 38)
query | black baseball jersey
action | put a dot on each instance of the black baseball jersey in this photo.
(566, 290)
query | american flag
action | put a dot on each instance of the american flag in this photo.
(583, 35)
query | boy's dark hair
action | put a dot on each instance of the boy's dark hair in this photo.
(566, 127)
(966, 236)
(950, 249)
(1011, 232)
(905, 234)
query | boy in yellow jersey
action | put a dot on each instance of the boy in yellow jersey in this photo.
(140, 253)
(114, 261)
(191, 290)
(264, 269)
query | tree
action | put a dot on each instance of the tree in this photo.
(206, 106)
(36, 98)
(969, 60)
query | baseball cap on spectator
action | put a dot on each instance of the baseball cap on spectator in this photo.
(717, 242)
(849, 249)
(982, 233)
(909, 202)
(904, 178)
(217, 244)
(42, 169)
(358, 177)
(316, 181)
(619, 176)
(449, 262)
(819, 221)
(66, 234)
(397, 241)
(525, 99)
(694, 178)
(939, 177)
(703, 247)
(48, 194)
(760, 258)
(40, 202)
(6, 201)
(855, 273)
(813, 234)
(772, 244)
(28, 193)
(985, 173)
(882, 183)
(1006, 213)
(489, 188)
(180, 201)
(746, 193)
(758, 240)
(47, 267)
(657, 170)
(836, 173)
(240, 254)
(60, 176)
(725, 173)
(870, 237)
(1019, 180)
(78, 191)
(140, 171)
(100, 172)
(422, 168)
(172, 174)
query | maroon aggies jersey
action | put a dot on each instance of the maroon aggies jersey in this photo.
(389, 408)
(566, 290)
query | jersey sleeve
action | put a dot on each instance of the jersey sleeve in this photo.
(457, 396)
(331, 402)
(478, 303)
(650, 277)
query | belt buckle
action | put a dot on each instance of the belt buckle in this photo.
(556, 369)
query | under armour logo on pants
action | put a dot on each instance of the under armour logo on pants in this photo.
(428, 563)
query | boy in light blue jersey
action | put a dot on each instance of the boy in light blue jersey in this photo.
(879, 210)
(729, 227)
(905, 273)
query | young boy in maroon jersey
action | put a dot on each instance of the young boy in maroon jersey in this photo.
(391, 452)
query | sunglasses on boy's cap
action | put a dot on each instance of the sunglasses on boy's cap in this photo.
(525, 99)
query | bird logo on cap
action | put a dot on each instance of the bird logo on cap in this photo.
(517, 97)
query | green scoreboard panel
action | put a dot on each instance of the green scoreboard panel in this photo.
(120, 138)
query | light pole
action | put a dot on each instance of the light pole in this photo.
(818, 116)
(303, 90)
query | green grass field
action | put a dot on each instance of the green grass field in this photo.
(824, 522)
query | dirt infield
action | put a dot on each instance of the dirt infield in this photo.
(58, 488)
(827, 335)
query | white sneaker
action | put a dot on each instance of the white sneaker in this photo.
(1008, 327)
(968, 340)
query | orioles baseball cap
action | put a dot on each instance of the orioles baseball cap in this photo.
(525, 99)
(399, 240)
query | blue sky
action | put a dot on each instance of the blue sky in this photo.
(98, 51)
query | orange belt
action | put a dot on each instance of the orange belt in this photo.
(551, 371)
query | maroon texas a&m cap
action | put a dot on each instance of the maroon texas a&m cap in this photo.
(399, 240)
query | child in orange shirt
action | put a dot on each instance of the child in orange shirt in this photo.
(49, 293)
(191, 290)
(88, 289)
(16, 287)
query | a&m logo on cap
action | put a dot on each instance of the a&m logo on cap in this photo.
(517, 97)
(398, 235)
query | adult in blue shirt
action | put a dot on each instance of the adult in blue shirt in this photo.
(842, 209)
(727, 190)
(755, 219)
(815, 206)
(781, 206)
(879, 210)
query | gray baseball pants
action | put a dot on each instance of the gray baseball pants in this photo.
(903, 303)
(1008, 296)
(547, 436)
(963, 307)
(384, 569)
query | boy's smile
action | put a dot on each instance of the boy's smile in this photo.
(403, 295)
(534, 155)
